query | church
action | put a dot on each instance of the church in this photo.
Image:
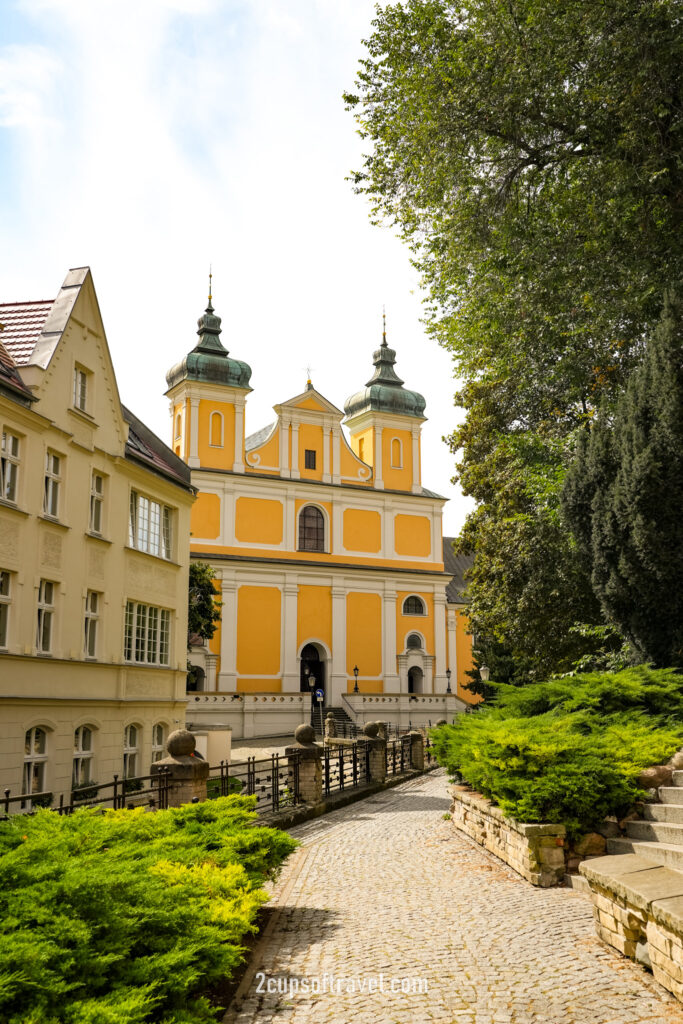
(327, 550)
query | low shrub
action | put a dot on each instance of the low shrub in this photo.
(569, 750)
(125, 917)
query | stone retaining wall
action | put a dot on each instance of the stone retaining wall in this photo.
(638, 909)
(535, 851)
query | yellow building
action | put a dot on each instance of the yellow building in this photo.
(328, 550)
(94, 528)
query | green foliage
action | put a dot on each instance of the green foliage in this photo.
(125, 917)
(529, 152)
(204, 608)
(624, 494)
(569, 750)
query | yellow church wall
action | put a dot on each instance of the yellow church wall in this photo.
(422, 624)
(258, 520)
(412, 536)
(463, 653)
(205, 519)
(258, 634)
(362, 530)
(310, 403)
(314, 617)
(363, 445)
(259, 685)
(364, 639)
(397, 478)
(311, 436)
(178, 432)
(216, 457)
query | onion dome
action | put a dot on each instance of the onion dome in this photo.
(209, 360)
(384, 392)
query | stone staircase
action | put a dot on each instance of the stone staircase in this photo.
(658, 836)
(345, 727)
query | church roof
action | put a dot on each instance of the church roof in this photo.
(457, 566)
(384, 392)
(209, 361)
(256, 439)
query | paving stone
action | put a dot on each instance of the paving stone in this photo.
(386, 887)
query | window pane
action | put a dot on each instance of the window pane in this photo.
(4, 618)
(140, 623)
(152, 635)
(128, 633)
(4, 584)
(39, 738)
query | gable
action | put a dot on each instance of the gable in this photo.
(310, 400)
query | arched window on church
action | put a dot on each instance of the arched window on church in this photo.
(178, 425)
(311, 529)
(414, 642)
(216, 430)
(413, 606)
(396, 454)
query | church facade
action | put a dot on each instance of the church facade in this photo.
(327, 549)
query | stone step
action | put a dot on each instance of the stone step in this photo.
(660, 853)
(656, 831)
(678, 779)
(664, 812)
(671, 794)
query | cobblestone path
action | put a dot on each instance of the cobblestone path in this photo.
(386, 890)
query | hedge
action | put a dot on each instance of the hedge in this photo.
(569, 750)
(125, 917)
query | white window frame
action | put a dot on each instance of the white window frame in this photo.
(131, 750)
(10, 460)
(53, 481)
(90, 625)
(222, 430)
(159, 737)
(5, 605)
(150, 526)
(415, 597)
(422, 648)
(46, 616)
(96, 514)
(147, 634)
(80, 389)
(34, 766)
(81, 769)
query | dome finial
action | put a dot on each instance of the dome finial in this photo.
(209, 308)
(384, 326)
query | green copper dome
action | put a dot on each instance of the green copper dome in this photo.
(384, 392)
(209, 361)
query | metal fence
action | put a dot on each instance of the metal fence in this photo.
(137, 791)
(345, 767)
(274, 781)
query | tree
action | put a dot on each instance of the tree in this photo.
(529, 152)
(204, 608)
(624, 494)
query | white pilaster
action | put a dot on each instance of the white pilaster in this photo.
(336, 454)
(338, 675)
(238, 464)
(295, 452)
(193, 458)
(440, 680)
(417, 479)
(290, 601)
(388, 532)
(326, 455)
(227, 677)
(452, 647)
(284, 447)
(228, 515)
(390, 672)
(377, 468)
(290, 524)
(337, 547)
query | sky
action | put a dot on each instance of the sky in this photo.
(149, 139)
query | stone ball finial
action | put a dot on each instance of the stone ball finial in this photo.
(181, 743)
(442, 721)
(304, 733)
(330, 714)
(371, 729)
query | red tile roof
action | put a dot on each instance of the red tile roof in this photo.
(9, 373)
(22, 324)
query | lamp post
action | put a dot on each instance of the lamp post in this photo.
(310, 679)
(484, 672)
(448, 677)
(355, 685)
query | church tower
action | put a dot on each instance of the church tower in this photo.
(207, 392)
(384, 422)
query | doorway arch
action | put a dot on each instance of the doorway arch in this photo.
(312, 661)
(415, 679)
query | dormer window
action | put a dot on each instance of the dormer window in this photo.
(80, 396)
(309, 458)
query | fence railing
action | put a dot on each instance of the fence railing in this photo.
(345, 767)
(274, 781)
(136, 791)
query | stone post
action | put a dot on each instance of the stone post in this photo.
(417, 750)
(309, 756)
(382, 727)
(378, 752)
(187, 773)
(330, 726)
